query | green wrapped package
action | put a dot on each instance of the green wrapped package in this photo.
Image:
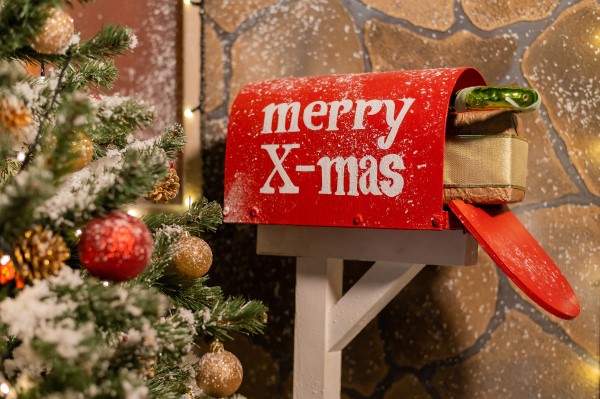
(487, 98)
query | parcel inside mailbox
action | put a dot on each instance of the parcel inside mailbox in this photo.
(485, 158)
(382, 150)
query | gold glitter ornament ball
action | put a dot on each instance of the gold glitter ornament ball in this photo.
(82, 148)
(192, 258)
(56, 34)
(219, 373)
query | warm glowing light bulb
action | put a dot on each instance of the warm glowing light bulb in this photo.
(133, 212)
(187, 2)
(189, 201)
(594, 371)
(188, 113)
(21, 156)
(78, 232)
(4, 260)
(595, 42)
(4, 388)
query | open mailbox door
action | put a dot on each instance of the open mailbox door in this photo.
(520, 256)
(367, 151)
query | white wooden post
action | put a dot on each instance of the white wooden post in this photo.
(317, 371)
(326, 319)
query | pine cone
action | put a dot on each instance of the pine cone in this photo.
(149, 366)
(14, 115)
(39, 254)
(167, 189)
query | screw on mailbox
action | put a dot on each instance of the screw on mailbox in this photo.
(358, 220)
(254, 212)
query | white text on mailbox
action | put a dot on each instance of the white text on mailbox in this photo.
(313, 113)
(366, 175)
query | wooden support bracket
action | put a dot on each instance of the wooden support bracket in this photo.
(366, 299)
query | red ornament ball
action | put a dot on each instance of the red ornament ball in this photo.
(116, 247)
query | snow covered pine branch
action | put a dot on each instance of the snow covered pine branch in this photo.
(95, 303)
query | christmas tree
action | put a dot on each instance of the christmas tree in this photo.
(95, 303)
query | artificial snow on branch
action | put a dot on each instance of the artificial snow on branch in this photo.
(204, 216)
(233, 314)
(91, 74)
(96, 303)
(21, 195)
(110, 182)
(95, 336)
(118, 117)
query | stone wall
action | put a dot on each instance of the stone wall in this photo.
(453, 332)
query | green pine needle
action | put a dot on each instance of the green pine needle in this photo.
(233, 315)
(112, 40)
(202, 217)
(168, 382)
(172, 140)
(106, 340)
(118, 118)
(91, 74)
(139, 169)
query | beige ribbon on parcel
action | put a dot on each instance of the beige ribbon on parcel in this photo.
(485, 161)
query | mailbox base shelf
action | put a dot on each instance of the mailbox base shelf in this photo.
(432, 247)
(326, 318)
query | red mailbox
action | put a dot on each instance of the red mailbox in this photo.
(367, 151)
(352, 150)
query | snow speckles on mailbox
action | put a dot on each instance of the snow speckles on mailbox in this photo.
(350, 150)
(367, 151)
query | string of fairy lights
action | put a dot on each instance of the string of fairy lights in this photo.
(190, 111)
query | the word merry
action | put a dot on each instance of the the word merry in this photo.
(319, 115)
